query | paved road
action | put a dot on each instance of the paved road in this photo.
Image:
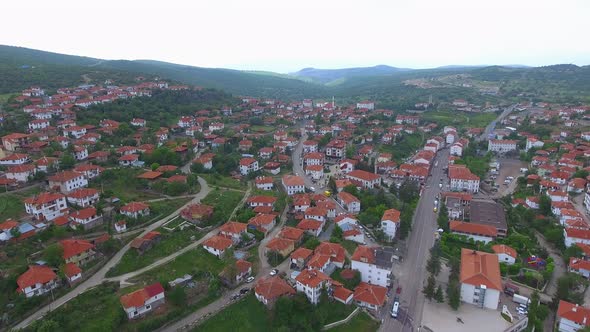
(99, 276)
(490, 128)
(410, 274)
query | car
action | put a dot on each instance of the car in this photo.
(274, 272)
(244, 290)
(435, 209)
(312, 188)
(250, 279)
(398, 290)
(395, 309)
(440, 185)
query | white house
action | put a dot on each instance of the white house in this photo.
(311, 282)
(349, 202)
(576, 235)
(474, 231)
(364, 179)
(480, 279)
(248, 165)
(293, 184)
(532, 142)
(217, 245)
(67, 181)
(505, 253)
(37, 280)
(374, 264)
(463, 180)
(21, 173)
(142, 301)
(264, 183)
(83, 197)
(572, 317)
(502, 146)
(390, 222)
(46, 206)
(579, 266)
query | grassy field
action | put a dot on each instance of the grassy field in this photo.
(192, 262)
(167, 206)
(266, 129)
(170, 243)
(11, 206)
(247, 315)
(216, 180)
(360, 322)
(459, 119)
(224, 202)
(124, 184)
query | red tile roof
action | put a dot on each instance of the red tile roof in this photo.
(472, 228)
(293, 181)
(363, 175)
(372, 294)
(218, 242)
(574, 312)
(72, 247)
(71, 269)
(34, 275)
(391, 214)
(65, 176)
(233, 227)
(134, 207)
(138, 298)
(311, 278)
(480, 268)
(243, 266)
(504, 249)
(273, 287)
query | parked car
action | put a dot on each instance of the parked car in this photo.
(274, 272)
(244, 290)
(250, 279)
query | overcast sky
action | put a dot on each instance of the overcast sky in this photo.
(285, 36)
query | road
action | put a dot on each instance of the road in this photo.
(100, 276)
(411, 273)
(490, 128)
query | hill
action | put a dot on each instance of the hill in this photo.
(337, 76)
(25, 67)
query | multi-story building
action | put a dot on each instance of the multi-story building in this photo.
(293, 184)
(390, 223)
(480, 279)
(572, 317)
(46, 206)
(311, 282)
(374, 264)
(142, 301)
(248, 165)
(37, 280)
(502, 146)
(67, 181)
(462, 179)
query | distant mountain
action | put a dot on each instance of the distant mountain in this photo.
(328, 76)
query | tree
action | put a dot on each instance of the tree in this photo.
(53, 255)
(15, 232)
(155, 166)
(545, 205)
(67, 161)
(439, 296)
(332, 184)
(443, 217)
(454, 294)
(409, 191)
(429, 290)
(434, 265)
(177, 296)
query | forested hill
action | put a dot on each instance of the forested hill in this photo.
(391, 87)
(23, 67)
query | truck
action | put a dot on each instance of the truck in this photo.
(521, 299)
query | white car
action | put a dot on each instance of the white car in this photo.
(250, 279)
(274, 272)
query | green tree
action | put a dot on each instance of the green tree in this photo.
(177, 296)
(454, 294)
(53, 255)
(430, 288)
(433, 265)
(155, 166)
(443, 217)
(67, 161)
(439, 295)
(545, 205)
(409, 191)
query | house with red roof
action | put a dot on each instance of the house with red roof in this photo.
(311, 282)
(72, 272)
(390, 223)
(46, 206)
(506, 254)
(87, 218)
(128, 160)
(83, 197)
(369, 296)
(140, 302)
(264, 182)
(374, 264)
(37, 280)
(146, 242)
(576, 235)
(233, 231)
(293, 184)
(15, 159)
(364, 179)
(261, 200)
(77, 251)
(262, 222)
(349, 202)
(90, 171)
(67, 181)
(217, 245)
(572, 317)
(300, 257)
(462, 179)
(268, 290)
(15, 141)
(311, 226)
(476, 232)
(281, 245)
(579, 266)
(135, 210)
(197, 213)
(480, 279)
(248, 165)
(21, 173)
(244, 270)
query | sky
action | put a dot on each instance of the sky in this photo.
(285, 36)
